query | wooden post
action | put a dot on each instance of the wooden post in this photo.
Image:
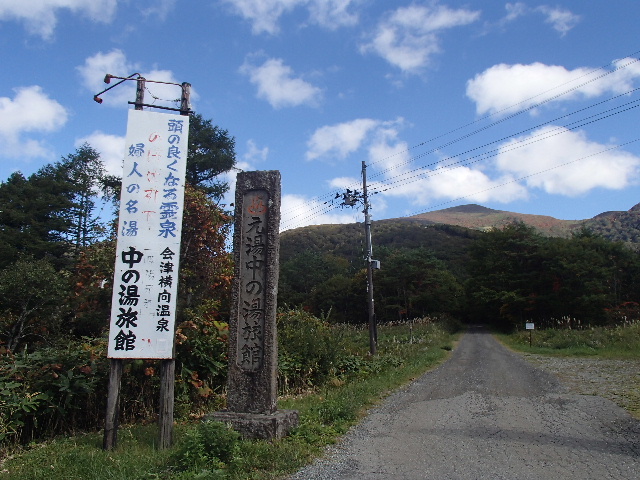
(167, 399)
(113, 405)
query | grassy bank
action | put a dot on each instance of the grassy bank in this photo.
(327, 411)
(594, 361)
(621, 342)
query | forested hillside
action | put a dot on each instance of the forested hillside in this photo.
(504, 276)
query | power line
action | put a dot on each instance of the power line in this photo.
(521, 178)
(323, 203)
(404, 179)
(509, 117)
(535, 139)
(519, 112)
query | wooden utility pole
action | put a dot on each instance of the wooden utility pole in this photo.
(373, 329)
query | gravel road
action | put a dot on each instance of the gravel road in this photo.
(486, 413)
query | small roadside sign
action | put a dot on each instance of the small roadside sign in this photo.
(530, 326)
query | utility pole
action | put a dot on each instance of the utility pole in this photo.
(351, 198)
(373, 329)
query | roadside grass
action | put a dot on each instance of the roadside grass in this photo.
(404, 353)
(621, 342)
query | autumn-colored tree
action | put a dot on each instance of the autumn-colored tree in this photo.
(206, 271)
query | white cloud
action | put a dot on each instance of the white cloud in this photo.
(277, 84)
(444, 182)
(561, 20)
(408, 37)
(264, 15)
(343, 139)
(250, 158)
(30, 111)
(255, 154)
(115, 62)
(110, 147)
(514, 11)
(332, 14)
(159, 9)
(473, 185)
(553, 159)
(507, 88)
(568, 163)
(40, 16)
(387, 152)
(339, 140)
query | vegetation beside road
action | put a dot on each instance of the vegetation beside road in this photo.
(602, 361)
(347, 385)
(619, 342)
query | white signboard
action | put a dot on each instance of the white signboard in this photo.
(148, 244)
(529, 326)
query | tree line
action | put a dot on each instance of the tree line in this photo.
(506, 276)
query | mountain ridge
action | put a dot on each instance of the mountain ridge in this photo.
(615, 225)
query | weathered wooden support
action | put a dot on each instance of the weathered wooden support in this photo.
(167, 399)
(112, 415)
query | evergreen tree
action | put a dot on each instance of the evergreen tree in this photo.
(34, 216)
(211, 152)
(50, 213)
(86, 173)
(505, 271)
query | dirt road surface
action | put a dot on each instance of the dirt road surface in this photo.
(486, 414)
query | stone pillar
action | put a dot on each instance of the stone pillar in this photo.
(253, 342)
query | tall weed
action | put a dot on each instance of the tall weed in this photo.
(622, 341)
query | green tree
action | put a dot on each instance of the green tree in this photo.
(34, 216)
(85, 172)
(32, 298)
(50, 213)
(413, 283)
(505, 267)
(586, 275)
(301, 274)
(340, 298)
(211, 152)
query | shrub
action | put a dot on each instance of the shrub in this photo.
(53, 390)
(201, 353)
(206, 450)
(308, 350)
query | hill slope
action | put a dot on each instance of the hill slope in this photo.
(621, 226)
(481, 218)
(456, 225)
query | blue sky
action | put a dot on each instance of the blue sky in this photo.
(521, 106)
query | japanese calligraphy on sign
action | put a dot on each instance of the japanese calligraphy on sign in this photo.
(253, 275)
(148, 244)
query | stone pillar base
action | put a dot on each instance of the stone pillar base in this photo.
(258, 425)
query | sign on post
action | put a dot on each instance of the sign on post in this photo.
(531, 327)
(143, 309)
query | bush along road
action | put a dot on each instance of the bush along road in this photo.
(486, 414)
